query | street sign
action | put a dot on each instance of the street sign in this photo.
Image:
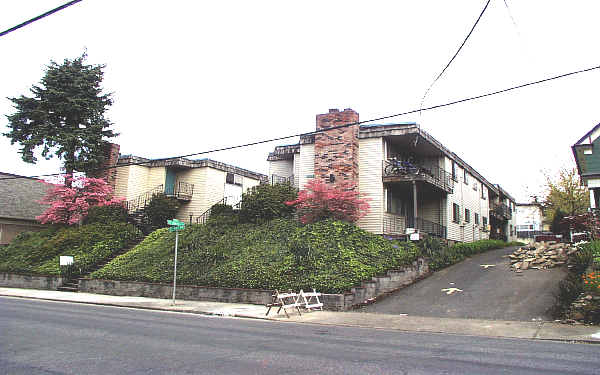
(175, 225)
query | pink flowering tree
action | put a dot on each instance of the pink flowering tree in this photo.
(320, 201)
(70, 203)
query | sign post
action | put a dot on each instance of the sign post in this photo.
(175, 226)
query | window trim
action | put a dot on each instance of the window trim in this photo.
(455, 213)
(467, 215)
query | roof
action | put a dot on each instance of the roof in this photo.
(19, 197)
(188, 163)
(587, 135)
(579, 145)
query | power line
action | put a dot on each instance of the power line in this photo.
(66, 5)
(332, 128)
(456, 54)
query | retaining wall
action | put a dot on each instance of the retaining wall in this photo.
(185, 292)
(12, 280)
(378, 286)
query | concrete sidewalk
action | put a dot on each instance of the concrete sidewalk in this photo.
(473, 327)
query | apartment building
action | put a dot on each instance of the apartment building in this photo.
(196, 184)
(414, 183)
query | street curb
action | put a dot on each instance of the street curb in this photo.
(207, 313)
(243, 316)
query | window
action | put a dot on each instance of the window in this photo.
(511, 230)
(476, 219)
(484, 221)
(482, 192)
(475, 185)
(467, 215)
(465, 176)
(454, 171)
(232, 178)
(455, 213)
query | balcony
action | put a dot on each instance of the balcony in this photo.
(396, 225)
(501, 211)
(401, 171)
(182, 191)
(275, 179)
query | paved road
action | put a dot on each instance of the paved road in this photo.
(493, 293)
(41, 337)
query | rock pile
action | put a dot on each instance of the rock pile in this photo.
(540, 255)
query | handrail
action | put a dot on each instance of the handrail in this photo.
(502, 210)
(142, 200)
(275, 179)
(427, 226)
(202, 218)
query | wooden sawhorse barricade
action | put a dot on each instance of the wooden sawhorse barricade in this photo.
(306, 300)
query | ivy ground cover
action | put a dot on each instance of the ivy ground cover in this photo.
(330, 256)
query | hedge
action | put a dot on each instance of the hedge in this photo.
(442, 256)
(330, 256)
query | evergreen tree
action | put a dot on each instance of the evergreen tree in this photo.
(65, 116)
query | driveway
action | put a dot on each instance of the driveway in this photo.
(494, 292)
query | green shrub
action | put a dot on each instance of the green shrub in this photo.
(330, 256)
(160, 209)
(443, 256)
(114, 213)
(39, 252)
(223, 214)
(266, 202)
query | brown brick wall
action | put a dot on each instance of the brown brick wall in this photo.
(336, 151)
(111, 153)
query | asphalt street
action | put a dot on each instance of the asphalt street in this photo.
(42, 337)
(488, 289)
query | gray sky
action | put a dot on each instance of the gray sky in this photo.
(193, 76)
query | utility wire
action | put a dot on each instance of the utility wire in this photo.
(456, 54)
(66, 5)
(333, 128)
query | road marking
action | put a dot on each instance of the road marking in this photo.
(451, 290)
(486, 266)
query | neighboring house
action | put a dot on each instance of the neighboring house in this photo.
(19, 205)
(433, 191)
(587, 156)
(530, 220)
(196, 184)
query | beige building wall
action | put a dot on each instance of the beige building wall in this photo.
(281, 168)
(467, 196)
(156, 177)
(370, 183)
(132, 181)
(306, 166)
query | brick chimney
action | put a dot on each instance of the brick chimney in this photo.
(111, 155)
(336, 151)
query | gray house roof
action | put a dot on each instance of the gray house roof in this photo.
(19, 196)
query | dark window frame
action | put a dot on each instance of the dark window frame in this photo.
(467, 215)
(455, 213)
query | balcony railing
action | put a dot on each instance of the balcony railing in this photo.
(183, 191)
(429, 227)
(502, 211)
(275, 179)
(395, 170)
(396, 225)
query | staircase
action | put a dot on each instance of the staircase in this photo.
(71, 283)
(203, 218)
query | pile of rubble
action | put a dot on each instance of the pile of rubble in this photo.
(540, 255)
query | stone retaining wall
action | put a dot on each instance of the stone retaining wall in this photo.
(378, 286)
(185, 292)
(12, 280)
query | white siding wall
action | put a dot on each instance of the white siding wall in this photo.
(281, 168)
(136, 181)
(306, 167)
(157, 176)
(296, 169)
(466, 197)
(370, 156)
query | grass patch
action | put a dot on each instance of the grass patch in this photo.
(330, 256)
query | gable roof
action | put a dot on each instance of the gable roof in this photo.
(19, 196)
(587, 135)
